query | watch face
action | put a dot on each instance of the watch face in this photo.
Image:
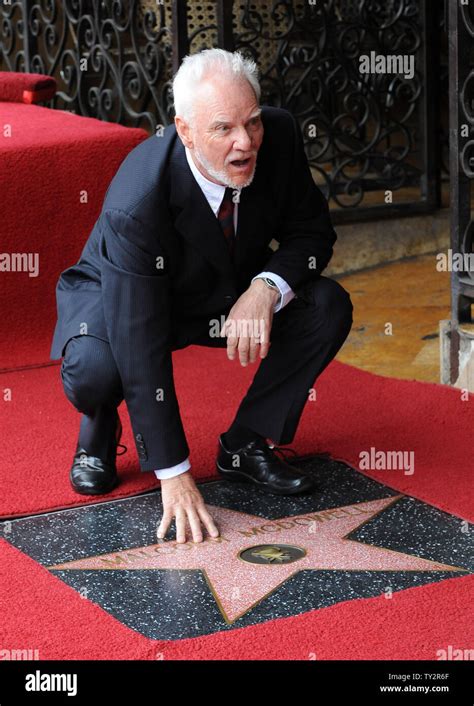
(270, 282)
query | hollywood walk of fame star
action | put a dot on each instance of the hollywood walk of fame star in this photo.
(278, 549)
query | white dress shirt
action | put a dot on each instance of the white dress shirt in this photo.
(214, 194)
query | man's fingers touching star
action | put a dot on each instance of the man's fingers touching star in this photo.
(194, 519)
(183, 502)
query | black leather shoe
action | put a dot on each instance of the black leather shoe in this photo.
(259, 464)
(91, 475)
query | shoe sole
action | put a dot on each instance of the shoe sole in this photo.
(239, 477)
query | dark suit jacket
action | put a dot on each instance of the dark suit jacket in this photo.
(156, 268)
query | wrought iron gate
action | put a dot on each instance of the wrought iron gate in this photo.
(373, 140)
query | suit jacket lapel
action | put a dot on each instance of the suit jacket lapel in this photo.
(195, 220)
(255, 213)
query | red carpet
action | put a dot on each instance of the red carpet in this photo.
(354, 411)
(62, 625)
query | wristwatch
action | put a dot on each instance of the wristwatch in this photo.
(270, 283)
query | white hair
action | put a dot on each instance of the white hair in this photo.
(208, 62)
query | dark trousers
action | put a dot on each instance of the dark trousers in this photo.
(306, 335)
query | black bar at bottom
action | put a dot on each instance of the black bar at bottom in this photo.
(444, 682)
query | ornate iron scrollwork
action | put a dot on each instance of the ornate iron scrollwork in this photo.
(362, 131)
(112, 58)
(365, 134)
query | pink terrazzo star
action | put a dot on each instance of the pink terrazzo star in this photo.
(238, 585)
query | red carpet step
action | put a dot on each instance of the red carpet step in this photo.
(54, 170)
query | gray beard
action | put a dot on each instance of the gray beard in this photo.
(221, 175)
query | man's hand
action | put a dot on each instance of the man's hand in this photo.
(182, 500)
(249, 323)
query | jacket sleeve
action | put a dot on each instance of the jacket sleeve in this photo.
(137, 311)
(306, 236)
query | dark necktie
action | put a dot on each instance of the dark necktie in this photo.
(226, 219)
